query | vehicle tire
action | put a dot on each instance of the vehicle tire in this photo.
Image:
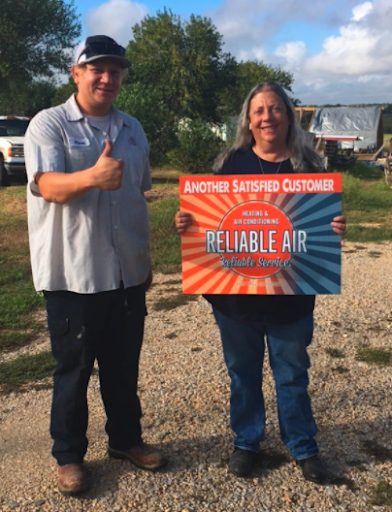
(4, 178)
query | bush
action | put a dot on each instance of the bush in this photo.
(197, 148)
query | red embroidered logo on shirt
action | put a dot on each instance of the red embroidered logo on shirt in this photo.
(132, 141)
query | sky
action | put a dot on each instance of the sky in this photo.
(338, 51)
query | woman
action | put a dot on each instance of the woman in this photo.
(268, 141)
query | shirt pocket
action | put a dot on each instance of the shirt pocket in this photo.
(80, 158)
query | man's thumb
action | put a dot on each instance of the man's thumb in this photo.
(107, 150)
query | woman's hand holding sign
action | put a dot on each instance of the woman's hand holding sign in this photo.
(182, 220)
(339, 226)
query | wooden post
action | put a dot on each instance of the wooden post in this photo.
(378, 152)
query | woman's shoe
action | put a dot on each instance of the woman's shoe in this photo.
(314, 469)
(241, 462)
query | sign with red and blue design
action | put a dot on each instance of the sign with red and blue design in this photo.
(267, 234)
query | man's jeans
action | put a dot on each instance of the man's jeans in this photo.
(243, 350)
(107, 327)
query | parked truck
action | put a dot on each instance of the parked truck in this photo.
(12, 161)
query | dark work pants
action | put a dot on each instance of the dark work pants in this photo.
(107, 327)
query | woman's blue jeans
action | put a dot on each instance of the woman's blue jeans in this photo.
(243, 350)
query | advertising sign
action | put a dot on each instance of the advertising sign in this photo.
(268, 234)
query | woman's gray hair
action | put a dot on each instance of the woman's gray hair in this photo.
(303, 157)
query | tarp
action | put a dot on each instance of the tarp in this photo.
(360, 122)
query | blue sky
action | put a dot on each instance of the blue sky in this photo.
(339, 51)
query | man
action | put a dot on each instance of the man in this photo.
(88, 167)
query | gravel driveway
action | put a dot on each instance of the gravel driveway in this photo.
(184, 393)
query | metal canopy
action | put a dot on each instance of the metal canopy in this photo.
(343, 123)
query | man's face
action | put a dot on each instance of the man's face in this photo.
(99, 84)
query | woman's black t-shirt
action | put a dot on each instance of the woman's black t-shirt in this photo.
(267, 309)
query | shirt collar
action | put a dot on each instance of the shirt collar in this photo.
(73, 112)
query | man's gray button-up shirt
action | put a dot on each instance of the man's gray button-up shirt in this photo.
(90, 244)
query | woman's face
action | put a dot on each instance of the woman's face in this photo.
(268, 120)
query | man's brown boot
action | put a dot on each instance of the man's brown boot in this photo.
(143, 455)
(72, 479)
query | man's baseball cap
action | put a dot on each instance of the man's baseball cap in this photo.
(100, 47)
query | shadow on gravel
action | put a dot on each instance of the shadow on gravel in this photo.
(355, 448)
(194, 455)
(348, 449)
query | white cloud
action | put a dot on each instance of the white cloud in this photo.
(354, 63)
(351, 53)
(379, 18)
(242, 23)
(246, 23)
(115, 19)
(370, 79)
(362, 10)
(252, 54)
(293, 52)
(345, 91)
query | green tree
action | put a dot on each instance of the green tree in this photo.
(63, 92)
(27, 100)
(35, 39)
(157, 120)
(184, 63)
(40, 94)
(247, 75)
(207, 70)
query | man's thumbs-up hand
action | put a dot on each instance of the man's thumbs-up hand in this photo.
(107, 173)
(107, 150)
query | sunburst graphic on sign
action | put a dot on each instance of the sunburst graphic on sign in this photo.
(261, 243)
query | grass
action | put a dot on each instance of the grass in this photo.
(382, 494)
(374, 449)
(367, 203)
(14, 339)
(26, 368)
(378, 356)
(18, 299)
(165, 244)
(340, 369)
(173, 302)
(19, 302)
(386, 138)
(334, 352)
(171, 336)
(173, 281)
(164, 177)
